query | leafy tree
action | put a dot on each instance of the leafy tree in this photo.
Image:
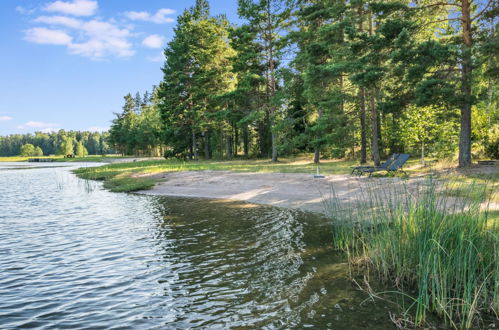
(27, 150)
(66, 146)
(38, 151)
(81, 151)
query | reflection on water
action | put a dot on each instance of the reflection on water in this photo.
(73, 255)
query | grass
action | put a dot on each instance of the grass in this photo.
(446, 256)
(303, 164)
(128, 184)
(136, 170)
(97, 159)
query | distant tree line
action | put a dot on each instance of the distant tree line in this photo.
(62, 142)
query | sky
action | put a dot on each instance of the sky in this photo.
(68, 63)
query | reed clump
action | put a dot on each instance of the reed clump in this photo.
(442, 251)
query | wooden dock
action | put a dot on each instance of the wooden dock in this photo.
(41, 160)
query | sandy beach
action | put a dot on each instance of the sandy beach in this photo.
(290, 190)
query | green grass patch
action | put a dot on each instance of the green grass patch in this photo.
(115, 174)
(17, 159)
(459, 186)
(93, 158)
(128, 184)
(283, 166)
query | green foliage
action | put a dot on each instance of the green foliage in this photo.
(27, 150)
(320, 75)
(492, 143)
(197, 75)
(38, 151)
(66, 146)
(95, 142)
(81, 151)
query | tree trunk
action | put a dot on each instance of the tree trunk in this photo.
(272, 81)
(363, 127)
(236, 140)
(262, 138)
(274, 146)
(194, 146)
(206, 146)
(317, 156)
(374, 128)
(422, 154)
(246, 141)
(228, 147)
(466, 83)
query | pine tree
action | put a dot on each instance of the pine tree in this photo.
(197, 73)
(122, 131)
(137, 103)
(268, 18)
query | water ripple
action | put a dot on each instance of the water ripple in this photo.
(76, 256)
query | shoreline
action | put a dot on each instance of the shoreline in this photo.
(289, 190)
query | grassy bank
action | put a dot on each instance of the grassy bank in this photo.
(443, 254)
(119, 176)
(96, 159)
(137, 170)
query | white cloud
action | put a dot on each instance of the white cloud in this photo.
(41, 35)
(102, 39)
(24, 11)
(50, 130)
(60, 20)
(158, 58)
(37, 124)
(75, 7)
(5, 118)
(95, 38)
(159, 17)
(98, 129)
(153, 41)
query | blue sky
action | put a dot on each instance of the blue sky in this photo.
(68, 63)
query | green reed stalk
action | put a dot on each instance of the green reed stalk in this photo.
(446, 249)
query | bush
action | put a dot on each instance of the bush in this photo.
(27, 150)
(492, 144)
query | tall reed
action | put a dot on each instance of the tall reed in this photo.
(411, 235)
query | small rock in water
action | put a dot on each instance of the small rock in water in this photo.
(337, 306)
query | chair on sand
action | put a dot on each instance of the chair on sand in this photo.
(382, 167)
(396, 165)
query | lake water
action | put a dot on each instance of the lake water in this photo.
(73, 255)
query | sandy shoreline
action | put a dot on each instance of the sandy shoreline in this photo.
(289, 190)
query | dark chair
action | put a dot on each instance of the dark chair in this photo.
(396, 165)
(382, 167)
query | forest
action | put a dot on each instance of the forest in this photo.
(339, 79)
(55, 143)
(357, 79)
